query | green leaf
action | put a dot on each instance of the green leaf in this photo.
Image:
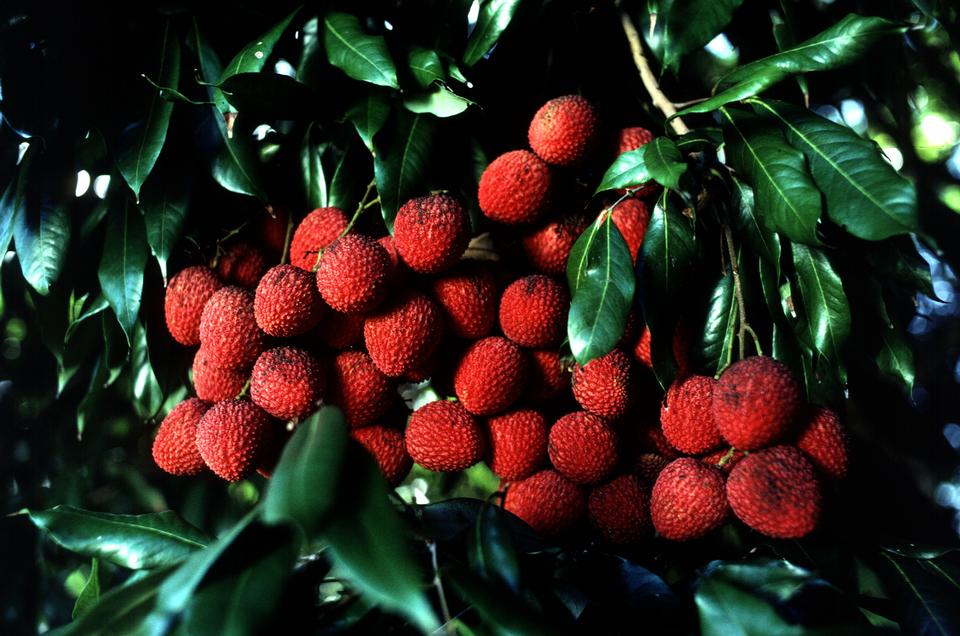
(719, 329)
(787, 198)
(683, 34)
(764, 241)
(863, 193)
(602, 284)
(400, 161)
(89, 593)
(270, 96)
(120, 611)
(82, 310)
(897, 260)
(369, 115)
(506, 613)
(494, 18)
(351, 176)
(132, 541)
(147, 393)
(236, 166)
(210, 70)
(8, 216)
(492, 551)
(122, 263)
(664, 162)
(254, 56)
(628, 170)
(139, 148)
(425, 65)
(784, 34)
(895, 357)
(926, 596)
(164, 204)
(360, 55)
(311, 165)
(700, 139)
(440, 101)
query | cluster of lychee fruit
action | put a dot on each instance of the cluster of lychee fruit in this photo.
(354, 317)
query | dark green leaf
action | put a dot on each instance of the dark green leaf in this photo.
(122, 263)
(254, 56)
(719, 330)
(89, 593)
(700, 139)
(115, 348)
(440, 101)
(897, 260)
(8, 214)
(664, 162)
(506, 613)
(369, 115)
(210, 70)
(84, 309)
(132, 541)
(120, 611)
(494, 18)
(163, 204)
(628, 170)
(690, 24)
(601, 279)
(926, 598)
(764, 241)
(360, 55)
(785, 37)
(270, 96)
(426, 66)
(493, 553)
(400, 161)
(147, 393)
(895, 356)
(917, 550)
(351, 177)
(311, 165)
(236, 165)
(825, 304)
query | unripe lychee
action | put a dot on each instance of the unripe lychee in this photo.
(214, 383)
(443, 437)
(187, 292)
(242, 264)
(605, 385)
(175, 447)
(583, 447)
(547, 501)
(775, 491)
(515, 188)
(824, 441)
(431, 233)
(388, 449)
(353, 274)
(401, 336)
(633, 138)
(232, 436)
(490, 376)
(533, 311)
(564, 131)
(228, 329)
(619, 510)
(687, 415)
(517, 443)
(315, 232)
(468, 297)
(688, 500)
(286, 382)
(548, 247)
(340, 331)
(359, 388)
(287, 302)
(631, 217)
(755, 402)
(548, 375)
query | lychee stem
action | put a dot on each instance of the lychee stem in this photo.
(742, 324)
(286, 240)
(727, 457)
(363, 205)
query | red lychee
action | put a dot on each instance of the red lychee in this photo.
(287, 383)
(242, 264)
(359, 388)
(228, 329)
(318, 230)
(619, 510)
(548, 375)
(633, 138)
(583, 447)
(648, 467)
(490, 376)
(564, 131)
(402, 336)
(533, 311)
(187, 292)
(680, 347)
(468, 297)
(547, 501)
(687, 415)
(548, 246)
(232, 436)
(443, 437)
(287, 302)
(517, 443)
(688, 500)
(214, 383)
(175, 447)
(755, 402)
(515, 188)
(631, 217)
(353, 274)
(605, 385)
(724, 459)
(340, 331)
(386, 446)
(824, 441)
(431, 233)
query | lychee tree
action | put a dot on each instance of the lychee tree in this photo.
(656, 297)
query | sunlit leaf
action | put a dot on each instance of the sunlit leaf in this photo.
(369, 115)
(825, 303)
(360, 55)
(494, 18)
(89, 593)
(682, 33)
(425, 65)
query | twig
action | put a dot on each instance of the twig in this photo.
(438, 583)
(286, 238)
(738, 292)
(648, 78)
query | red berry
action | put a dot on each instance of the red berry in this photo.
(548, 376)
(387, 447)
(687, 415)
(490, 376)
(515, 188)
(228, 329)
(723, 459)
(287, 302)
(688, 500)
(359, 388)
(648, 467)
(518, 443)
(564, 131)
(232, 437)
(631, 217)
(633, 138)
(605, 385)
(755, 402)
(243, 265)
(318, 230)
(824, 441)
(175, 447)
(431, 233)
(533, 311)
(468, 297)
(187, 292)
(340, 331)
(619, 510)
(583, 447)
(401, 336)
(287, 383)
(547, 501)
(214, 383)
(548, 247)
(353, 274)
(680, 345)
(442, 436)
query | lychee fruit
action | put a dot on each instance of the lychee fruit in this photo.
(515, 188)
(653, 440)
(287, 302)
(724, 459)
(340, 331)
(605, 385)
(619, 510)
(755, 402)
(823, 440)
(353, 274)
(468, 297)
(315, 232)
(490, 376)
(633, 138)
(631, 217)
(175, 447)
(548, 247)
(232, 436)
(286, 382)
(547, 501)
(441, 436)
(214, 383)
(359, 388)
(187, 292)
(548, 375)
(680, 348)
(687, 415)
(533, 311)
(583, 447)
(565, 130)
(387, 447)
(688, 500)
(242, 264)
(431, 233)
(228, 328)
(517, 443)
(401, 336)
(648, 467)
(775, 491)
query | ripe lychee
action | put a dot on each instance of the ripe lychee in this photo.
(583, 447)
(187, 292)
(565, 130)
(242, 264)
(490, 376)
(232, 436)
(648, 467)
(359, 388)
(340, 331)
(533, 311)
(214, 383)
(401, 336)
(468, 296)
(548, 246)
(547, 501)
(286, 382)
(515, 188)
(688, 500)
(755, 402)
(228, 329)
(431, 233)
(653, 440)
(824, 441)
(287, 302)
(775, 491)
(724, 459)
(315, 232)
(175, 447)
(388, 449)
(443, 437)
(605, 385)
(517, 443)
(687, 415)
(619, 510)
(631, 217)
(548, 375)
(353, 274)
(633, 138)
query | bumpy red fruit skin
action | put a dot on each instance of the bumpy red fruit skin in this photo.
(633, 138)
(243, 265)
(175, 447)
(605, 386)
(431, 233)
(231, 438)
(214, 383)
(287, 302)
(468, 297)
(583, 447)
(388, 449)
(755, 402)
(548, 376)
(401, 336)
(619, 510)
(359, 388)
(688, 500)
(775, 491)
(824, 441)
(517, 443)
(687, 415)
(564, 130)
(340, 331)
(286, 382)
(648, 467)
(533, 311)
(442, 436)
(515, 188)
(548, 247)
(490, 376)
(353, 274)
(547, 501)
(187, 292)
(723, 455)
(315, 232)
(228, 328)
(631, 217)
(653, 440)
